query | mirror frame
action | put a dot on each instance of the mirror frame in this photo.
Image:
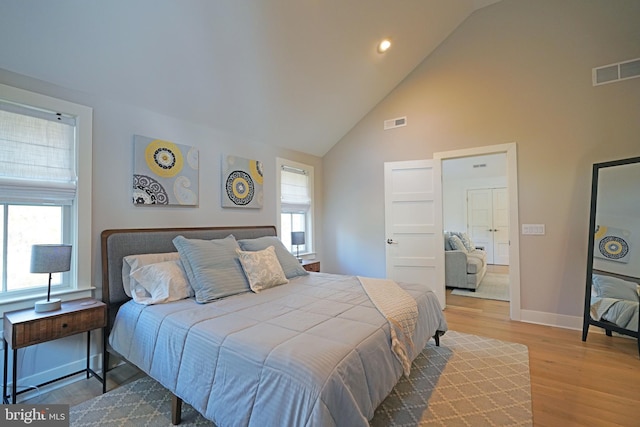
(587, 319)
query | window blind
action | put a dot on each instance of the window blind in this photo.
(295, 195)
(37, 155)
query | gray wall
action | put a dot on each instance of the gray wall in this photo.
(517, 71)
(114, 125)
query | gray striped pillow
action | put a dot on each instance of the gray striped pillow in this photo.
(212, 266)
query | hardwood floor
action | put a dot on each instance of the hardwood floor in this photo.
(573, 383)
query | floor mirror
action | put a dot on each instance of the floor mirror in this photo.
(612, 297)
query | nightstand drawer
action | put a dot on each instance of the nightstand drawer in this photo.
(25, 327)
(311, 266)
(52, 328)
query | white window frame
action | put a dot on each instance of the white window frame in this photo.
(309, 235)
(80, 283)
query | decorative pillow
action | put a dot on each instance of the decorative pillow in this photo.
(466, 241)
(447, 245)
(613, 287)
(457, 244)
(159, 283)
(132, 262)
(212, 267)
(262, 268)
(290, 264)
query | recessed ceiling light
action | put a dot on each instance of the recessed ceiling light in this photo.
(384, 45)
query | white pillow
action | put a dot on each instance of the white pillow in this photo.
(159, 283)
(262, 268)
(132, 262)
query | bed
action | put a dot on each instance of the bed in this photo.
(615, 301)
(313, 351)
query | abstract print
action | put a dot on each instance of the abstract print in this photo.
(611, 243)
(241, 183)
(164, 173)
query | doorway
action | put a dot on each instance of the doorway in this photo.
(509, 154)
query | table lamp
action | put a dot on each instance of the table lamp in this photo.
(297, 238)
(50, 259)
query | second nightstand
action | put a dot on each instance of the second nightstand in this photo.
(23, 328)
(311, 265)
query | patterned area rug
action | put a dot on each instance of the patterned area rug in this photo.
(493, 286)
(467, 381)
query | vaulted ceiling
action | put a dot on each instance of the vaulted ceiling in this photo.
(297, 74)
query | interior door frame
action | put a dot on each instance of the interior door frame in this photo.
(510, 149)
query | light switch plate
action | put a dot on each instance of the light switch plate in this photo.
(533, 229)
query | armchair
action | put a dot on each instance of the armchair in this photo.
(464, 268)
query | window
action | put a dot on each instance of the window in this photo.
(45, 184)
(295, 187)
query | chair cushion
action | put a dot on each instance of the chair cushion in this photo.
(474, 265)
(481, 255)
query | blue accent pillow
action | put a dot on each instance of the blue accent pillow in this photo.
(456, 244)
(212, 267)
(612, 287)
(288, 262)
(447, 245)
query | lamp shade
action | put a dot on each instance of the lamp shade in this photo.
(297, 237)
(50, 258)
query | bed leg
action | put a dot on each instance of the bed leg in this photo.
(437, 338)
(176, 410)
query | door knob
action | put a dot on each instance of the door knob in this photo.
(390, 242)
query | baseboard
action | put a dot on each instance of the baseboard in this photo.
(551, 319)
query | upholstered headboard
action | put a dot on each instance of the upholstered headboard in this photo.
(116, 244)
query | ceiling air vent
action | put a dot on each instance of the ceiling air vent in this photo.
(616, 72)
(395, 123)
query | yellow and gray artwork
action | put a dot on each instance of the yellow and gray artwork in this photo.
(164, 173)
(611, 243)
(241, 183)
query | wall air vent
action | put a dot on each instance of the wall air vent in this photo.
(395, 123)
(616, 72)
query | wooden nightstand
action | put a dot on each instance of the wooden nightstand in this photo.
(311, 265)
(23, 328)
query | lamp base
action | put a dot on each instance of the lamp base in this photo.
(52, 305)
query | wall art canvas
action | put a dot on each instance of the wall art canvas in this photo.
(611, 243)
(241, 183)
(164, 173)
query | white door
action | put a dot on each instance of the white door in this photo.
(500, 226)
(413, 224)
(488, 222)
(480, 219)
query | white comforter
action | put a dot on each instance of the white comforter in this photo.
(314, 352)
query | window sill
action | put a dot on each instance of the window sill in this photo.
(305, 254)
(28, 301)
